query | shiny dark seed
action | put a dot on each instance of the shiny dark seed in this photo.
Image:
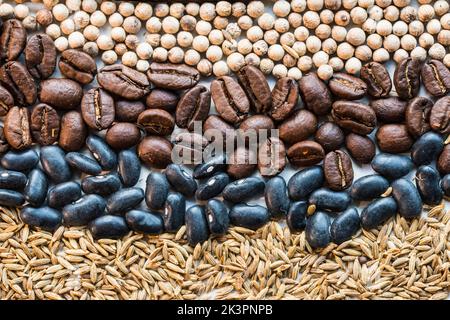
(276, 196)
(407, 197)
(369, 187)
(217, 215)
(64, 193)
(304, 182)
(108, 227)
(103, 185)
(144, 222)
(243, 189)
(181, 179)
(44, 217)
(317, 230)
(249, 216)
(12, 180)
(20, 160)
(345, 226)
(101, 152)
(427, 181)
(36, 188)
(377, 212)
(445, 185)
(212, 187)
(392, 166)
(296, 217)
(326, 199)
(174, 212)
(84, 210)
(83, 163)
(210, 167)
(54, 164)
(196, 225)
(124, 200)
(10, 198)
(427, 148)
(156, 190)
(129, 167)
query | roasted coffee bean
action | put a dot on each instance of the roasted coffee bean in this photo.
(445, 185)
(193, 106)
(123, 135)
(212, 187)
(427, 181)
(315, 94)
(128, 111)
(276, 197)
(6, 101)
(377, 212)
(19, 82)
(210, 167)
(296, 217)
(101, 152)
(12, 40)
(73, 131)
(361, 148)
(242, 163)
(345, 226)
(255, 129)
(64, 193)
(317, 231)
(188, 147)
(103, 185)
(436, 78)
(305, 153)
(83, 163)
(256, 87)
(196, 225)
(17, 128)
(377, 79)
(123, 81)
(144, 222)
(427, 148)
(407, 78)
(418, 116)
(108, 227)
(20, 160)
(394, 138)
(180, 179)
(156, 190)
(326, 199)
(217, 215)
(63, 94)
(440, 116)
(162, 99)
(12, 180)
(157, 122)
(40, 56)
(271, 157)
(77, 65)
(329, 136)
(443, 162)
(249, 216)
(347, 87)
(354, 116)
(84, 210)
(284, 98)
(36, 187)
(44, 217)
(129, 167)
(298, 127)
(54, 164)
(338, 170)
(408, 199)
(389, 110)
(11, 198)
(45, 124)
(369, 187)
(243, 189)
(304, 182)
(215, 128)
(174, 212)
(155, 151)
(124, 200)
(4, 146)
(173, 76)
(97, 108)
(392, 166)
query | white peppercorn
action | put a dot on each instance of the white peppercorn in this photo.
(282, 8)
(116, 20)
(338, 33)
(419, 53)
(326, 16)
(444, 37)
(445, 21)
(446, 60)
(129, 59)
(6, 10)
(400, 55)
(91, 33)
(336, 63)
(279, 71)
(21, 11)
(400, 28)
(105, 42)
(255, 9)
(425, 13)
(215, 37)
(192, 8)
(287, 39)
(295, 20)
(408, 14)
(142, 65)
(214, 53)
(188, 23)
(275, 52)
(437, 51)
(380, 55)
(289, 61)
(441, 7)
(363, 53)
(408, 42)
(220, 68)
(191, 57)
(298, 5)
(313, 44)
(153, 39)
(305, 64)
(402, 3)
(81, 19)
(109, 57)
(233, 30)
(426, 40)
(91, 48)
(223, 8)
(89, 6)
(120, 49)
(118, 34)
(133, 25)
(161, 10)
(228, 47)
(383, 3)
(200, 43)
(170, 25)
(300, 48)
(252, 59)
(44, 17)
(107, 7)
(301, 33)
(325, 72)
(207, 11)
(376, 13)
(98, 19)
(184, 39)
(384, 28)
(235, 61)
(131, 41)
(29, 23)
(320, 58)
(281, 25)
(67, 26)
(61, 44)
(358, 15)
(175, 55)
(356, 36)
(176, 10)
(391, 13)
(342, 18)
(345, 51)
(254, 34)
(434, 26)
(424, 1)
(349, 4)
(53, 31)
(159, 54)
(266, 66)
(260, 47)
(271, 37)
(374, 41)
(294, 73)
(369, 26)
(391, 43)
(238, 9)
(416, 28)
(203, 28)
(168, 41)
(244, 46)
(266, 21)
(144, 50)
(60, 12)
(245, 22)
(311, 19)
(329, 46)
(323, 31)
(366, 3)
(220, 22)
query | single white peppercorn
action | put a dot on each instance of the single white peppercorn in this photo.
(131, 41)
(44, 17)
(305, 64)
(289, 61)
(400, 55)
(287, 39)
(281, 25)
(301, 33)
(175, 55)
(383, 3)
(295, 20)
(441, 7)
(153, 25)
(255, 9)
(266, 66)
(358, 15)
(168, 41)
(76, 40)
(233, 30)
(214, 53)
(445, 21)
(29, 23)
(446, 60)
(244, 46)
(313, 44)
(363, 53)
(425, 12)
(329, 46)
(294, 73)
(408, 42)
(400, 28)
(408, 14)
(380, 55)
(311, 19)
(282, 8)
(366, 3)
(223, 8)
(434, 26)
(320, 58)
(126, 8)
(220, 22)
(133, 25)
(203, 28)
(91, 33)
(254, 34)
(53, 31)
(228, 47)
(245, 22)
(91, 48)
(298, 5)
(369, 26)
(116, 20)
(81, 19)
(159, 54)
(300, 48)
(192, 8)
(21, 11)
(60, 12)
(153, 39)
(391, 13)
(129, 59)
(336, 63)
(271, 37)
(338, 33)
(238, 9)
(144, 50)
(142, 65)
(356, 36)
(323, 31)
(444, 37)
(391, 43)
(109, 57)
(188, 23)
(120, 49)
(252, 59)
(426, 40)
(89, 6)
(207, 11)
(200, 43)
(215, 37)
(118, 34)
(376, 13)
(6, 10)
(260, 48)
(349, 4)
(105, 42)
(67, 26)
(424, 1)
(374, 41)
(170, 25)
(107, 7)
(177, 10)
(345, 51)
(235, 61)
(326, 16)
(341, 18)
(384, 28)
(325, 72)
(184, 39)
(98, 19)
(275, 52)
(191, 57)
(266, 21)
(402, 3)
(437, 51)
(279, 71)
(61, 44)
(220, 68)
(419, 53)
(416, 28)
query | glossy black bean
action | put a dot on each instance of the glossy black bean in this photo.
(408, 199)
(445, 185)
(181, 179)
(317, 230)
(20, 160)
(129, 168)
(304, 182)
(108, 227)
(369, 187)
(296, 217)
(427, 181)
(345, 226)
(210, 167)
(212, 187)
(103, 185)
(36, 188)
(124, 200)
(64, 193)
(11, 198)
(174, 211)
(102, 152)
(326, 199)
(392, 166)
(249, 216)
(156, 190)
(44, 217)
(84, 210)
(196, 225)
(427, 148)
(12, 180)
(54, 164)
(377, 212)
(145, 222)
(83, 163)
(217, 215)
(276, 196)
(243, 189)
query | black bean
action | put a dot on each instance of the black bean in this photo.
(276, 196)
(10, 198)
(212, 187)
(156, 190)
(129, 168)
(108, 226)
(392, 166)
(296, 217)
(145, 222)
(84, 210)
(407, 197)
(304, 182)
(210, 167)
(20, 160)
(217, 214)
(427, 148)
(369, 187)
(83, 163)
(249, 216)
(317, 230)
(427, 181)
(377, 212)
(243, 189)
(103, 185)
(124, 200)
(36, 188)
(44, 217)
(174, 212)
(54, 164)
(102, 152)
(345, 226)
(445, 185)
(64, 193)
(181, 179)
(196, 225)
(12, 180)
(326, 199)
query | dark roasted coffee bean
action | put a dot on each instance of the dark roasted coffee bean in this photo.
(156, 191)
(193, 106)
(217, 215)
(97, 108)
(123, 135)
(271, 157)
(298, 127)
(445, 185)
(54, 164)
(251, 130)
(256, 87)
(215, 127)
(77, 65)
(315, 94)
(329, 136)
(156, 122)
(162, 99)
(338, 170)
(123, 81)
(276, 196)
(20, 160)
(196, 225)
(347, 87)
(101, 152)
(64, 193)
(181, 179)
(108, 227)
(84, 210)
(326, 199)
(40, 56)
(144, 222)
(45, 124)
(249, 216)
(128, 111)
(389, 110)
(284, 98)
(377, 79)
(173, 76)
(44, 217)
(212, 187)
(354, 116)
(427, 181)
(12, 40)
(188, 147)
(6, 101)
(174, 212)
(392, 166)
(103, 185)
(4, 145)
(242, 163)
(305, 153)
(407, 78)
(361, 148)
(36, 188)
(317, 231)
(11, 198)
(63, 94)
(369, 187)
(436, 78)
(394, 138)
(443, 162)
(408, 199)
(83, 163)
(210, 167)
(296, 217)
(427, 148)
(243, 189)
(155, 151)
(19, 82)
(124, 200)
(73, 131)
(129, 167)
(304, 182)
(17, 128)
(377, 212)
(440, 116)
(418, 116)
(345, 226)
(12, 180)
